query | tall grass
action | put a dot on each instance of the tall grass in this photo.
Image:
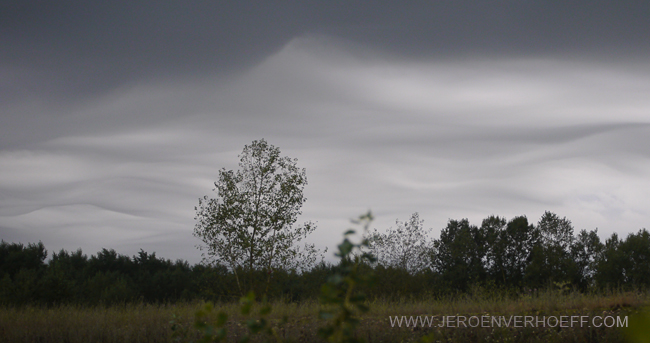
(151, 323)
(543, 301)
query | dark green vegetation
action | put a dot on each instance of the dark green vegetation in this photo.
(510, 257)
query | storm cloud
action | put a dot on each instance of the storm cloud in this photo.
(115, 119)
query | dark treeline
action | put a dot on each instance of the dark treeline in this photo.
(112, 278)
(499, 255)
(512, 255)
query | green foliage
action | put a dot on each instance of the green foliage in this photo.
(398, 284)
(636, 249)
(625, 262)
(638, 329)
(551, 259)
(555, 231)
(56, 287)
(406, 247)
(15, 257)
(340, 296)
(207, 332)
(458, 255)
(216, 331)
(519, 239)
(610, 270)
(250, 225)
(586, 251)
(25, 286)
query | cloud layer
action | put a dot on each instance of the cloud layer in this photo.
(448, 138)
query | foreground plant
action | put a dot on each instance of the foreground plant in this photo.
(343, 301)
(216, 331)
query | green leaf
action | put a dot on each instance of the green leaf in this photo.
(638, 330)
(222, 318)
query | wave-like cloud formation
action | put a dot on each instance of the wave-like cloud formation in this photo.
(447, 138)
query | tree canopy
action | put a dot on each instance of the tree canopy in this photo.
(250, 225)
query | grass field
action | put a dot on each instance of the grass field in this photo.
(151, 323)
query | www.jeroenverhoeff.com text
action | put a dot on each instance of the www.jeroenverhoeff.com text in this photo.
(508, 321)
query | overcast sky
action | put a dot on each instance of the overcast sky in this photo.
(115, 118)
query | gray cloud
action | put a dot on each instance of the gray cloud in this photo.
(56, 52)
(109, 136)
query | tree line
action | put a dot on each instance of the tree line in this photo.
(26, 277)
(512, 255)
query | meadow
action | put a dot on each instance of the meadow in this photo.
(299, 321)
